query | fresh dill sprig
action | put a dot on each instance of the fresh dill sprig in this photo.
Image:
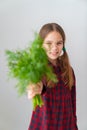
(29, 66)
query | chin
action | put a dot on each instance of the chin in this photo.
(53, 58)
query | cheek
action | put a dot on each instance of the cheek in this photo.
(60, 48)
(46, 47)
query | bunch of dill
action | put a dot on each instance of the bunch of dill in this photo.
(29, 66)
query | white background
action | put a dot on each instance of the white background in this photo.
(18, 21)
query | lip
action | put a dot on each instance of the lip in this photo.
(54, 53)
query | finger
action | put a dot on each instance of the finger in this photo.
(40, 84)
(30, 86)
(31, 95)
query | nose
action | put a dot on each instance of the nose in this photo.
(54, 47)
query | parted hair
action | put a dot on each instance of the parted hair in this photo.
(63, 61)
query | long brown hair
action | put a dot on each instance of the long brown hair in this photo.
(66, 69)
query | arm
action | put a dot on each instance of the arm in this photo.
(73, 97)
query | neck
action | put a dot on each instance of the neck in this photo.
(54, 62)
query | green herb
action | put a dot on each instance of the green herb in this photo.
(29, 66)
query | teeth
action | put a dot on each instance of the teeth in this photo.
(54, 53)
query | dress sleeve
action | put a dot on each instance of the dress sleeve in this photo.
(44, 85)
(73, 97)
(43, 90)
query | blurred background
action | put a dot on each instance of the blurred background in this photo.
(19, 19)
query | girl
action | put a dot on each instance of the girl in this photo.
(59, 109)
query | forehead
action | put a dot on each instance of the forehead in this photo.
(53, 36)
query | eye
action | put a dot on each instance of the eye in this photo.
(59, 43)
(48, 43)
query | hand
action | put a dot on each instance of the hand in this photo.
(34, 89)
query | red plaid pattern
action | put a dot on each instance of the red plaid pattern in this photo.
(59, 109)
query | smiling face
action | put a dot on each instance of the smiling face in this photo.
(53, 44)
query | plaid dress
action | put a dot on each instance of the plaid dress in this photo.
(59, 109)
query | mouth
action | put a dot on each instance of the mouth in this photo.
(54, 53)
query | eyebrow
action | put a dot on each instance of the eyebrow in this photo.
(52, 41)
